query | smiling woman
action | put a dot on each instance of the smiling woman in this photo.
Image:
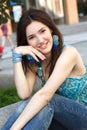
(41, 56)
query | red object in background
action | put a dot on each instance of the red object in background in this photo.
(1, 49)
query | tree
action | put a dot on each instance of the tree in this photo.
(4, 6)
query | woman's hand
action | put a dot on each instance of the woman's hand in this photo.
(29, 50)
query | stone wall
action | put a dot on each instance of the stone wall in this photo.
(6, 112)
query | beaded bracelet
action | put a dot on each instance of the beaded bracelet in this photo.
(16, 57)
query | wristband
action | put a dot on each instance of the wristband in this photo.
(16, 57)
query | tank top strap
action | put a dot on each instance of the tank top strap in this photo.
(65, 45)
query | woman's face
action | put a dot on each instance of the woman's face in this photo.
(39, 36)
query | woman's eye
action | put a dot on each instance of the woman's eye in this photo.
(30, 38)
(43, 31)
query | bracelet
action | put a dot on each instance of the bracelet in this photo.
(16, 57)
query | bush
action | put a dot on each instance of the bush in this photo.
(8, 96)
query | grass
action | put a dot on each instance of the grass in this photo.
(8, 96)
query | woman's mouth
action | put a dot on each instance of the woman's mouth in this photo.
(43, 46)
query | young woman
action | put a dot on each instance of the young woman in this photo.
(41, 55)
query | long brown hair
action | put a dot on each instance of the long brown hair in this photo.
(43, 17)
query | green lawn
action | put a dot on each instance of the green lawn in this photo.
(8, 96)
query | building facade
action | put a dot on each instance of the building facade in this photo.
(62, 11)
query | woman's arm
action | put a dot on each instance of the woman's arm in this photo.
(24, 83)
(62, 69)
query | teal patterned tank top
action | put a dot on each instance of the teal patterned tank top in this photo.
(75, 89)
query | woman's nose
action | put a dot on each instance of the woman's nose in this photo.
(40, 39)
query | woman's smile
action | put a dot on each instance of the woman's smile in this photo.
(43, 46)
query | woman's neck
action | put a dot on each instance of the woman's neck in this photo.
(47, 60)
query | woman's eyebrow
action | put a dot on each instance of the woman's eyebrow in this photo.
(30, 36)
(42, 28)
